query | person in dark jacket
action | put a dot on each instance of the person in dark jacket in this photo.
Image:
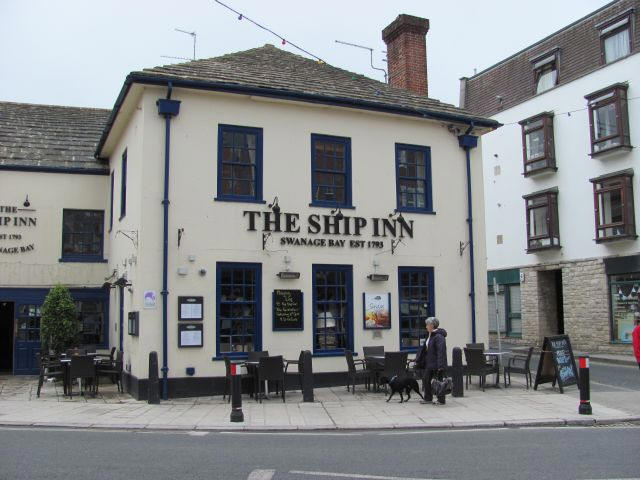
(432, 358)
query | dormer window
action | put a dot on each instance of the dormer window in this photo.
(615, 38)
(537, 143)
(545, 71)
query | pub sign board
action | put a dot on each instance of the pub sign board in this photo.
(288, 310)
(557, 363)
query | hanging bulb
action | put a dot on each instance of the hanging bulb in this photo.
(284, 42)
(240, 17)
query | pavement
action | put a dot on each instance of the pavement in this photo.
(334, 409)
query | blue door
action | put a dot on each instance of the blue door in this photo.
(26, 338)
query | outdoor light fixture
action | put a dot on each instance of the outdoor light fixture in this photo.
(274, 205)
(288, 275)
(107, 286)
(396, 214)
(27, 203)
(339, 215)
(122, 282)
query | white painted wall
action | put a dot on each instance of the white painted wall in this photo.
(216, 231)
(505, 208)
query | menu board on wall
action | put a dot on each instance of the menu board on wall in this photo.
(190, 335)
(287, 310)
(190, 308)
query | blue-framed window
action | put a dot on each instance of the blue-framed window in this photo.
(332, 308)
(413, 178)
(330, 171)
(93, 320)
(238, 308)
(123, 186)
(82, 235)
(239, 164)
(111, 204)
(417, 303)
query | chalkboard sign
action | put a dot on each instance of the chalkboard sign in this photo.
(287, 310)
(557, 363)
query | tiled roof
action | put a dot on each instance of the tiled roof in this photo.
(269, 67)
(50, 137)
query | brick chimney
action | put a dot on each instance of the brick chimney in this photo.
(407, 53)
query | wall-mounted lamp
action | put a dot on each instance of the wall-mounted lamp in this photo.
(122, 282)
(274, 205)
(26, 203)
(397, 215)
(338, 213)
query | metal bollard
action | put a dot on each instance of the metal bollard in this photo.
(585, 404)
(456, 373)
(153, 385)
(307, 377)
(236, 395)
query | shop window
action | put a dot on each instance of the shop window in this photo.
(608, 119)
(509, 310)
(416, 299)
(111, 204)
(625, 305)
(82, 235)
(413, 178)
(545, 70)
(239, 163)
(538, 150)
(332, 308)
(330, 171)
(613, 200)
(123, 186)
(91, 322)
(542, 220)
(615, 38)
(238, 308)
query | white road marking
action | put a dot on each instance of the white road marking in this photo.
(261, 475)
(197, 434)
(354, 475)
(614, 386)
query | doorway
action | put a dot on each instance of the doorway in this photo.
(559, 302)
(6, 337)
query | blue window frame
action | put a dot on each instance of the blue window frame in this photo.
(417, 302)
(332, 309)
(413, 178)
(239, 164)
(330, 171)
(82, 235)
(123, 187)
(238, 308)
(111, 205)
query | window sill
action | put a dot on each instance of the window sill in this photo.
(238, 200)
(611, 152)
(415, 210)
(82, 260)
(615, 239)
(539, 171)
(332, 205)
(541, 249)
(332, 354)
(232, 356)
(409, 349)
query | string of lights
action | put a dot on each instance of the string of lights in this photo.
(241, 16)
(567, 113)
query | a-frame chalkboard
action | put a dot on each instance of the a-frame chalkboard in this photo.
(557, 363)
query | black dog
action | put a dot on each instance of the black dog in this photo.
(397, 384)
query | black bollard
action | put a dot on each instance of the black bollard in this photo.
(585, 404)
(456, 373)
(236, 395)
(307, 377)
(153, 385)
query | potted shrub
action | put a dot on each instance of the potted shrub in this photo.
(58, 323)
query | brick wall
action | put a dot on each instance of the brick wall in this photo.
(513, 78)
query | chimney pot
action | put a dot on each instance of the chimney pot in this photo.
(407, 53)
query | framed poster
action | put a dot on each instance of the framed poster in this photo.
(190, 308)
(377, 311)
(150, 299)
(190, 335)
(287, 310)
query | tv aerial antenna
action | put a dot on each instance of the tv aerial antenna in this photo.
(193, 35)
(370, 55)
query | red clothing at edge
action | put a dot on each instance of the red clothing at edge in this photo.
(636, 342)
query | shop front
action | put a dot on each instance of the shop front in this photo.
(623, 277)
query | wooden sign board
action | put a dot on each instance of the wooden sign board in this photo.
(288, 310)
(557, 363)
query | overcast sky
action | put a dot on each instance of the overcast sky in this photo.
(78, 52)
